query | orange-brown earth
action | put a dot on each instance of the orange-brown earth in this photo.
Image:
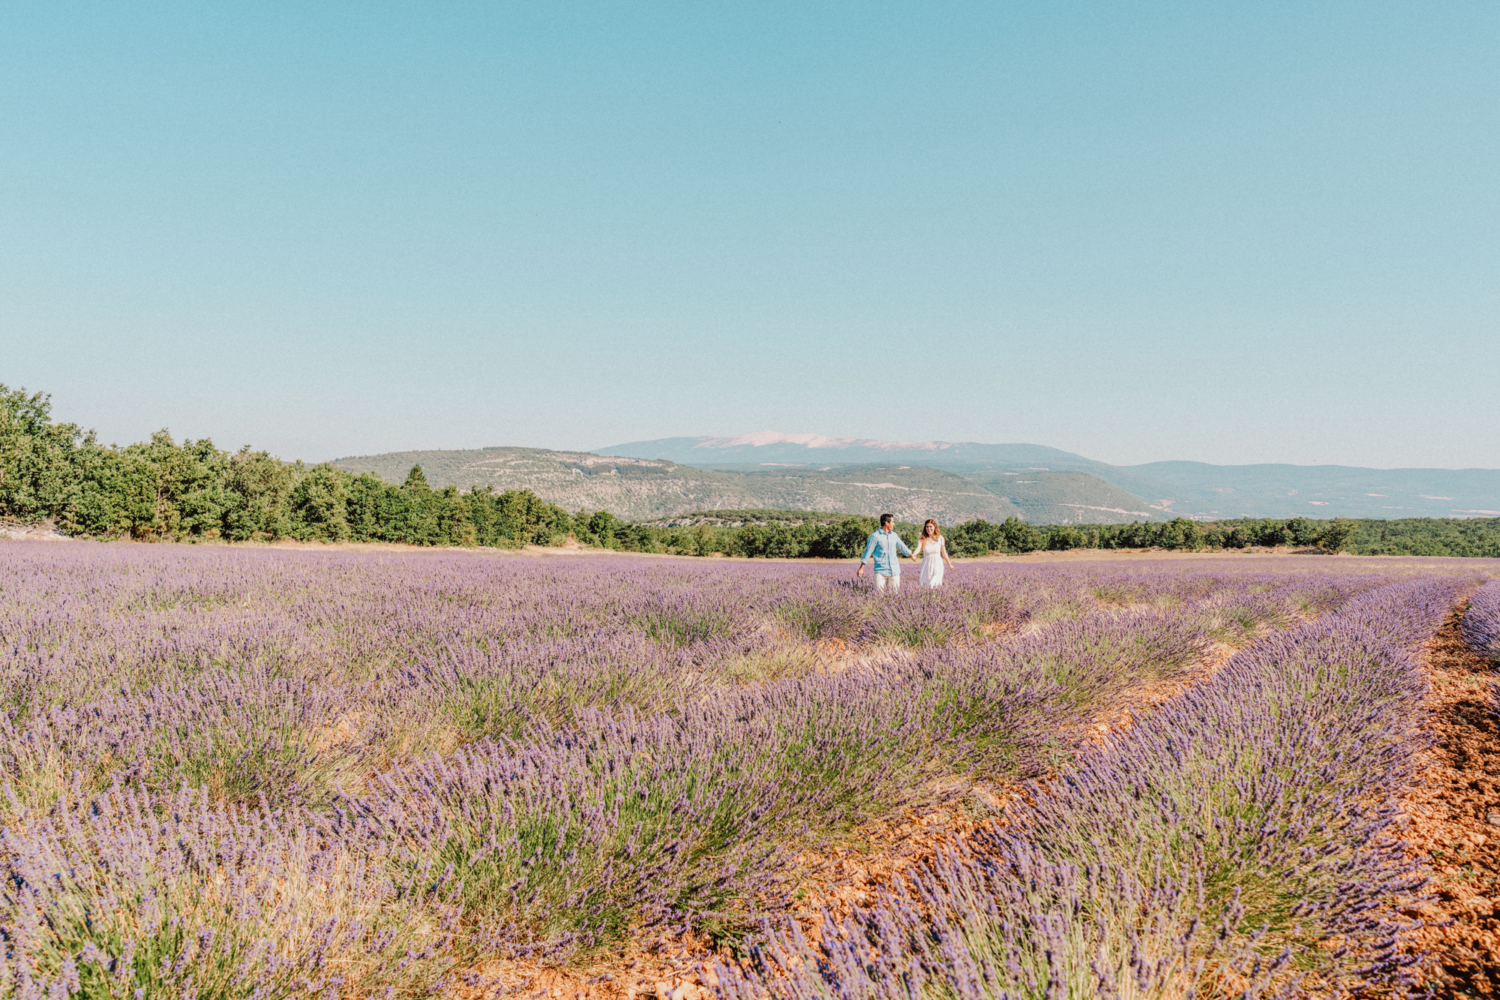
(1454, 823)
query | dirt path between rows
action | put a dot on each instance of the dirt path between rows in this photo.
(1454, 824)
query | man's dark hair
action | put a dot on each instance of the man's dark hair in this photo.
(886, 519)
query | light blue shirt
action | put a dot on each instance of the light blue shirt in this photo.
(884, 545)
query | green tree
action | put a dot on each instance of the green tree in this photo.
(1061, 536)
(1335, 537)
(975, 538)
(601, 525)
(1302, 531)
(319, 505)
(1181, 533)
(416, 480)
(451, 517)
(480, 501)
(37, 475)
(842, 539)
(1272, 533)
(1019, 536)
(635, 538)
(171, 491)
(364, 505)
(260, 486)
(777, 541)
(94, 510)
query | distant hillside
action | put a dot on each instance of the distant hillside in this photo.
(952, 482)
(1069, 488)
(1325, 490)
(1041, 497)
(740, 518)
(1066, 497)
(773, 448)
(643, 489)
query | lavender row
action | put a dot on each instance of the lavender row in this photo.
(1480, 625)
(1239, 837)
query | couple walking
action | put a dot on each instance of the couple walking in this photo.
(887, 548)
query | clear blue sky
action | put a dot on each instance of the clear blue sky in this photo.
(1212, 231)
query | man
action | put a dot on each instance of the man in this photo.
(887, 548)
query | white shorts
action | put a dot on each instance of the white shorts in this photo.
(892, 580)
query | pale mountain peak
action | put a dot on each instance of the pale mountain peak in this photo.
(761, 439)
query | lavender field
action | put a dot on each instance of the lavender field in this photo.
(259, 773)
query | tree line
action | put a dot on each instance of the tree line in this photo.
(193, 491)
(842, 538)
(980, 537)
(845, 537)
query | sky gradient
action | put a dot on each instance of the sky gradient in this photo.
(1227, 233)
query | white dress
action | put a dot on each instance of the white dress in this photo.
(932, 562)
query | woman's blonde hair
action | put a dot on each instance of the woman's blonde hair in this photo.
(936, 531)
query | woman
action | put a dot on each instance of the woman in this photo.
(933, 552)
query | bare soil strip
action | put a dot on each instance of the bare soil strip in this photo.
(1454, 823)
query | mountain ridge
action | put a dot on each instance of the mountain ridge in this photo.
(642, 489)
(953, 481)
(1193, 489)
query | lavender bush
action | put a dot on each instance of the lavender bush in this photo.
(575, 837)
(121, 894)
(1480, 625)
